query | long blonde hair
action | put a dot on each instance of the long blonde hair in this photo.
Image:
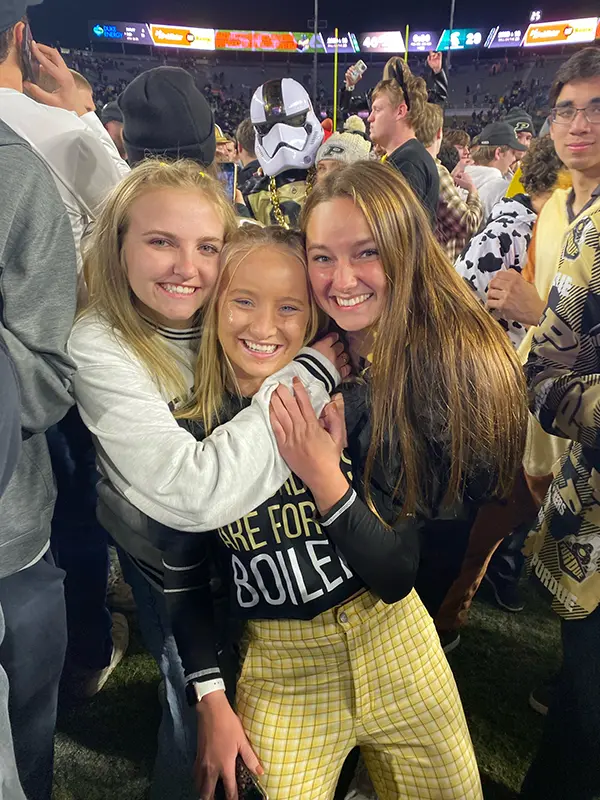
(214, 373)
(105, 270)
(446, 384)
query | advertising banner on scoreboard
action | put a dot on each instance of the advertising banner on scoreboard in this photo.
(382, 42)
(569, 31)
(126, 32)
(422, 41)
(268, 41)
(177, 36)
(346, 43)
(504, 37)
(462, 39)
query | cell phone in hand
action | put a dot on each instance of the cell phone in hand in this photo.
(248, 785)
(358, 70)
(228, 177)
(31, 67)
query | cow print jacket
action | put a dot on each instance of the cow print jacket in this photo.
(502, 244)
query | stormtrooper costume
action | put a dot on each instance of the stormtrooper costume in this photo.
(288, 135)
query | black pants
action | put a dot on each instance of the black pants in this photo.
(80, 543)
(567, 765)
(443, 547)
(32, 655)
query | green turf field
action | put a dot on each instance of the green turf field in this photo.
(105, 749)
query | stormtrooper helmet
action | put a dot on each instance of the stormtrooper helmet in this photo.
(288, 133)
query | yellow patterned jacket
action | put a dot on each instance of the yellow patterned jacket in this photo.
(563, 372)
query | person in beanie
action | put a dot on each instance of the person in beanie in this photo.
(340, 149)
(520, 120)
(112, 119)
(165, 114)
(523, 125)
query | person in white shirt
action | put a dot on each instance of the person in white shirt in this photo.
(80, 154)
(494, 152)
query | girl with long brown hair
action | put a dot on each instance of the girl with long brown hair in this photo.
(438, 416)
(444, 383)
(338, 650)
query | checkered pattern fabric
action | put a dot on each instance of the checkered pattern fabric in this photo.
(365, 674)
(458, 219)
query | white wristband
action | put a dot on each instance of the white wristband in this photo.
(202, 688)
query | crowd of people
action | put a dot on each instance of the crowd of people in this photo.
(296, 403)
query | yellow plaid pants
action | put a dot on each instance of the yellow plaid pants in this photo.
(366, 674)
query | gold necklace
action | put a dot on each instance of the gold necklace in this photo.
(281, 220)
(279, 215)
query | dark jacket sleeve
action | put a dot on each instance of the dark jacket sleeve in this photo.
(187, 576)
(10, 419)
(384, 556)
(437, 85)
(38, 271)
(386, 559)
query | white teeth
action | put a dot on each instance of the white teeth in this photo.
(352, 301)
(260, 348)
(174, 288)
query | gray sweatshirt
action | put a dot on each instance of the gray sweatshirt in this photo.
(10, 419)
(37, 306)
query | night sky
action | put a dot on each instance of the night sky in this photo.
(66, 20)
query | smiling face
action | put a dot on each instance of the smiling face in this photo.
(171, 251)
(264, 313)
(344, 265)
(578, 143)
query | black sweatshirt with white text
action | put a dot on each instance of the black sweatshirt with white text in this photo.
(284, 560)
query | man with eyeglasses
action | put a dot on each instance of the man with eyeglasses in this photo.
(563, 372)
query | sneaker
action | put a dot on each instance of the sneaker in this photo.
(506, 595)
(541, 697)
(82, 683)
(119, 596)
(450, 640)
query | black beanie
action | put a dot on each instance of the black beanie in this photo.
(165, 114)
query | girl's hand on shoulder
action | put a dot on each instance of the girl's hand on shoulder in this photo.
(310, 449)
(333, 350)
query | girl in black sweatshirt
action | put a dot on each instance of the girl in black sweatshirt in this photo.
(338, 651)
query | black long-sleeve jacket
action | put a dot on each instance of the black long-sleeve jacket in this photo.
(284, 560)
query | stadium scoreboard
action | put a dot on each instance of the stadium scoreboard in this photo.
(534, 34)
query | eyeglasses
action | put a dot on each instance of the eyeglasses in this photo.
(565, 115)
